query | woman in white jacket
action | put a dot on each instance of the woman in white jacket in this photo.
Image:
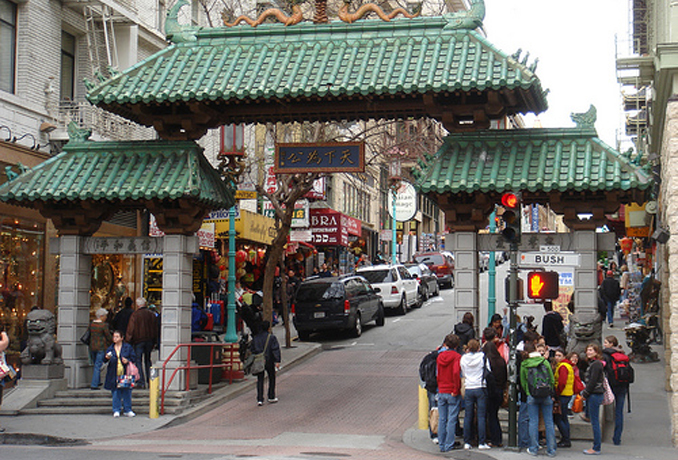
(472, 364)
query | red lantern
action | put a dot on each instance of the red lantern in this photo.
(240, 257)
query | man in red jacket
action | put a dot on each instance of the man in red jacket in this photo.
(449, 393)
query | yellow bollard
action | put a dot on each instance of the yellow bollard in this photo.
(153, 394)
(423, 408)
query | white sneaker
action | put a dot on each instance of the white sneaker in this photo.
(273, 401)
(467, 446)
(435, 440)
(116, 414)
(483, 447)
(130, 414)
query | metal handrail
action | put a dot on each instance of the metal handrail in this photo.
(189, 367)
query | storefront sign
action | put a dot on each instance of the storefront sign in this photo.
(300, 216)
(245, 195)
(353, 225)
(206, 235)
(319, 190)
(123, 245)
(405, 202)
(328, 228)
(249, 226)
(301, 235)
(330, 157)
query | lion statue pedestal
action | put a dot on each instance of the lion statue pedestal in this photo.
(41, 358)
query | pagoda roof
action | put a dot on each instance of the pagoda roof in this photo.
(370, 69)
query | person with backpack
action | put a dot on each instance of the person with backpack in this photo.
(465, 331)
(449, 393)
(536, 378)
(473, 364)
(593, 393)
(620, 375)
(428, 374)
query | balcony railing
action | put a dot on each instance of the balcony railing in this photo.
(105, 124)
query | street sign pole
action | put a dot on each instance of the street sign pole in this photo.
(512, 369)
(231, 334)
(492, 272)
(393, 242)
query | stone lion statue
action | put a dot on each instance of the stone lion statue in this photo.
(41, 347)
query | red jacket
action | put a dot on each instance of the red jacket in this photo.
(449, 372)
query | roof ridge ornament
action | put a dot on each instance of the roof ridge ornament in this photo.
(368, 8)
(77, 134)
(585, 120)
(471, 19)
(175, 32)
(295, 18)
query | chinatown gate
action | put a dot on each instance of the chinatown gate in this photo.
(320, 70)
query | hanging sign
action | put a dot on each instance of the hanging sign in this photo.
(327, 157)
(405, 204)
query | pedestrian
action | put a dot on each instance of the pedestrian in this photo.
(142, 334)
(118, 356)
(100, 339)
(610, 290)
(324, 271)
(536, 378)
(565, 385)
(121, 319)
(472, 365)
(449, 392)
(593, 393)
(267, 343)
(495, 396)
(552, 329)
(465, 331)
(4, 344)
(615, 358)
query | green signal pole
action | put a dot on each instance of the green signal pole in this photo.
(492, 271)
(393, 235)
(231, 335)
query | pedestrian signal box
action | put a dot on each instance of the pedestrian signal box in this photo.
(543, 285)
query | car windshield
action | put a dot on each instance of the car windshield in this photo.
(319, 291)
(414, 269)
(430, 259)
(377, 276)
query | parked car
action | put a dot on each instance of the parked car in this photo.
(440, 263)
(342, 302)
(397, 287)
(428, 281)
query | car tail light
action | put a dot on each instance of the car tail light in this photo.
(347, 306)
(394, 289)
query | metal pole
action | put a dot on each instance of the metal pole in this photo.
(512, 369)
(492, 271)
(393, 244)
(231, 336)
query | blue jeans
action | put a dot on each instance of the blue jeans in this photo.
(561, 419)
(523, 426)
(143, 351)
(124, 396)
(619, 397)
(593, 403)
(97, 358)
(545, 405)
(432, 402)
(610, 311)
(474, 397)
(448, 415)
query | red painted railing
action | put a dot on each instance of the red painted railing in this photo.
(188, 367)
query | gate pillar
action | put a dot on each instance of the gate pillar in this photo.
(464, 245)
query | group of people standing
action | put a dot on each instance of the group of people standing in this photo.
(472, 375)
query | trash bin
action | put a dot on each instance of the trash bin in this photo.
(201, 356)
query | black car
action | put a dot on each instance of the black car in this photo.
(428, 281)
(343, 302)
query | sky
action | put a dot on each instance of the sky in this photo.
(575, 43)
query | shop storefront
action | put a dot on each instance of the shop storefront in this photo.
(330, 232)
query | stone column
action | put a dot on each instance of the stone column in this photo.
(177, 297)
(465, 248)
(585, 276)
(74, 299)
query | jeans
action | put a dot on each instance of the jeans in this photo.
(270, 370)
(562, 420)
(593, 403)
(493, 426)
(143, 351)
(523, 426)
(124, 394)
(610, 311)
(432, 402)
(448, 415)
(473, 397)
(97, 358)
(619, 397)
(545, 405)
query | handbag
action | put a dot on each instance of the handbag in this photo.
(608, 396)
(505, 398)
(125, 381)
(557, 408)
(578, 404)
(133, 370)
(86, 337)
(433, 417)
(6, 371)
(256, 362)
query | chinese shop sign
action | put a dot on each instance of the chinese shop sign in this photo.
(331, 157)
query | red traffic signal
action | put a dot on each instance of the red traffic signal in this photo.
(543, 285)
(510, 200)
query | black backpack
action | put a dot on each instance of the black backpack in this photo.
(539, 381)
(427, 371)
(620, 371)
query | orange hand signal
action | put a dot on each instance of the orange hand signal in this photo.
(536, 285)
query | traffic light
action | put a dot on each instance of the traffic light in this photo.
(543, 285)
(511, 217)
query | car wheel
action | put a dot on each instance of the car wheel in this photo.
(381, 317)
(357, 326)
(402, 308)
(304, 335)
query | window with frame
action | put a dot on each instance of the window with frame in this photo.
(67, 87)
(7, 45)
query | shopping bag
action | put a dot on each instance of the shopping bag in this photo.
(433, 420)
(125, 381)
(578, 404)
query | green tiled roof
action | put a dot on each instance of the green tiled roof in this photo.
(533, 160)
(328, 62)
(116, 172)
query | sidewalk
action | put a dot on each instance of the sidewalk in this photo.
(78, 429)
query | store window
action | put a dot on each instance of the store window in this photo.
(7, 45)
(21, 274)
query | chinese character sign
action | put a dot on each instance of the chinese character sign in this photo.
(331, 157)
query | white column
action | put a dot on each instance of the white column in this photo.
(177, 297)
(465, 248)
(75, 271)
(586, 276)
